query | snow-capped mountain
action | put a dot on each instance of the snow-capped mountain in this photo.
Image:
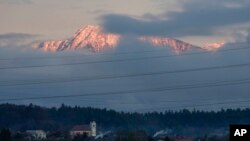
(177, 45)
(89, 36)
(213, 46)
(92, 37)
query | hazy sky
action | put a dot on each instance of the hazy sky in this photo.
(60, 18)
(194, 21)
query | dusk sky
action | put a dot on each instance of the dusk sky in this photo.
(197, 22)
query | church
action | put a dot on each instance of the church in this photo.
(88, 130)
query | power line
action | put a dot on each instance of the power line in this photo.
(115, 60)
(194, 105)
(82, 55)
(202, 85)
(120, 53)
(128, 75)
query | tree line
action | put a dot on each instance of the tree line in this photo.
(27, 117)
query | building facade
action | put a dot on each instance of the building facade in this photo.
(37, 134)
(88, 130)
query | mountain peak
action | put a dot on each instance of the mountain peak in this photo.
(213, 46)
(88, 29)
(92, 37)
(177, 45)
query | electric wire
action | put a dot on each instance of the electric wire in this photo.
(113, 60)
(101, 77)
(120, 53)
(184, 87)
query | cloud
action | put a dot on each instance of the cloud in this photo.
(248, 38)
(196, 18)
(16, 39)
(16, 1)
(149, 100)
(242, 41)
(15, 36)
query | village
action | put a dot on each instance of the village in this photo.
(89, 132)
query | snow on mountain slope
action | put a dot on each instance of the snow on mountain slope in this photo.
(92, 37)
(177, 45)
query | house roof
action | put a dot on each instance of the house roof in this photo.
(184, 139)
(35, 131)
(81, 128)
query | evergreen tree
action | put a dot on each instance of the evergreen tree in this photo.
(5, 135)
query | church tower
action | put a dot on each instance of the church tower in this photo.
(93, 128)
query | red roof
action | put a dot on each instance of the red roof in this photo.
(81, 128)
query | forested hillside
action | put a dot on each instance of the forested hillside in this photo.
(21, 117)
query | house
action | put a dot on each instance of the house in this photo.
(88, 130)
(181, 139)
(37, 134)
(163, 138)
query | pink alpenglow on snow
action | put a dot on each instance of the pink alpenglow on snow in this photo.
(214, 46)
(93, 38)
(89, 36)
